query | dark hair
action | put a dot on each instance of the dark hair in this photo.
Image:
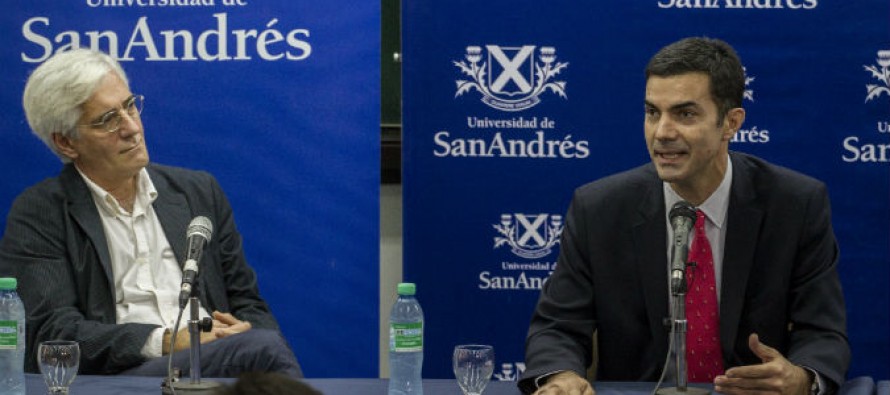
(705, 55)
(260, 383)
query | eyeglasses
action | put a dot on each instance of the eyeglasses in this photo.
(111, 121)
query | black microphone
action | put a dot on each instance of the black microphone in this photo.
(198, 233)
(682, 217)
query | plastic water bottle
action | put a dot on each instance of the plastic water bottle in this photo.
(406, 343)
(12, 339)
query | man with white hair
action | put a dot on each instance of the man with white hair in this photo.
(96, 250)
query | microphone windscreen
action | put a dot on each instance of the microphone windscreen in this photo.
(200, 226)
(682, 209)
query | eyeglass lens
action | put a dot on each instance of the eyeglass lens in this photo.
(112, 121)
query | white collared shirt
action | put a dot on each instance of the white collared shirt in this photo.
(146, 275)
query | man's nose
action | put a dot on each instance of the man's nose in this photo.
(665, 129)
(129, 124)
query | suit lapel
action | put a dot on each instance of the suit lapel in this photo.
(650, 241)
(743, 222)
(172, 209)
(83, 210)
(174, 213)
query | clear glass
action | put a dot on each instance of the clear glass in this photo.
(473, 365)
(58, 360)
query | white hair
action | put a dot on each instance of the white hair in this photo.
(57, 89)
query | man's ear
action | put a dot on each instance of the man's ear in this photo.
(732, 122)
(64, 145)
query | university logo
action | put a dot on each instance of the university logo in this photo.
(510, 78)
(507, 372)
(882, 74)
(529, 236)
(749, 93)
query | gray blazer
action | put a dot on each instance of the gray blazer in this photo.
(779, 278)
(55, 245)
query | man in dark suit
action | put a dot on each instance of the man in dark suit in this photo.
(97, 249)
(781, 322)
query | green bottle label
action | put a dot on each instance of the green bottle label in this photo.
(9, 335)
(407, 337)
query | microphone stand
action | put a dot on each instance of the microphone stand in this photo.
(678, 331)
(195, 386)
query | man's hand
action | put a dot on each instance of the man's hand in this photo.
(183, 340)
(566, 383)
(224, 324)
(775, 375)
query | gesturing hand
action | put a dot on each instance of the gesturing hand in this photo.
(776, 375)
(566, 383)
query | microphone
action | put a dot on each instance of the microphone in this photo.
(682, 217)
(197, 234)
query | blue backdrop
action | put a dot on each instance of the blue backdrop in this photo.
(280, 101)
(509, 106)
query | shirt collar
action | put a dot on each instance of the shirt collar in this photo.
(715, 206)
(145, 194)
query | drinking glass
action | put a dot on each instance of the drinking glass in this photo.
(58, 360)
(473, 365)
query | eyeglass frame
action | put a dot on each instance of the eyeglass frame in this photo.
(105, 120)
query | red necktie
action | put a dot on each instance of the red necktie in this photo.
(704, 358)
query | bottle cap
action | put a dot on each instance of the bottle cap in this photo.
(407, 289)
(8, 283)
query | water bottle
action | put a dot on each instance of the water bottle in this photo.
(12, 339)
(405, 343)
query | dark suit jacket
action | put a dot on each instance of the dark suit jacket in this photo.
(779, 277)
(55, 245)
